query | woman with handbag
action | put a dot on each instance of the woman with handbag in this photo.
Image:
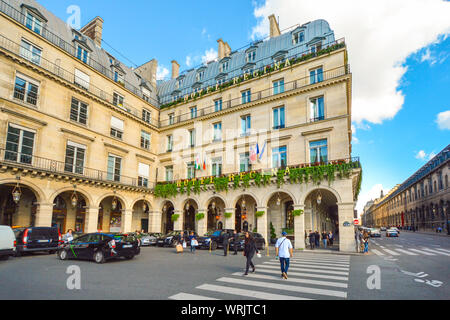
(249, 252)
(193, 240)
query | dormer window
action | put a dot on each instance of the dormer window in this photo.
(223, 67)
(298, 37)
(34, 23)
(316, 47)
(118, 77)
(251, 56)
(82, 53)
(200, 75)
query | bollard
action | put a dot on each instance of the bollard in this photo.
(267, 246)
(228, 249)
(210, 246)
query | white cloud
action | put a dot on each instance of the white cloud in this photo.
(443, 120)
(161, 73)
(421, 155)
(372, 194)
(380, 35)
(188, 61)
(431, 155)
(209, 55)
(355, 140)
(428, 57)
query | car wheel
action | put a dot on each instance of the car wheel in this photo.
(52, 252)
(213, 245)
(17, 254)
(63, 255)
(99, 257)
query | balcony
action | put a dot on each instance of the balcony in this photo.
(44, 166)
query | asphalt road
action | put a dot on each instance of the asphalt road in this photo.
(160, 273)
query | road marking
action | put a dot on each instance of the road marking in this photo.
(391, 252)
(342, 273)
(319, 262)
(442, 250)
(407, 252)
(399, 246)
(324, 292)
(435, 251)
(267, 269)
(315, 266)
(188, 296)
(248, 293)
(308, 281)
(378, 253)
(423, 252)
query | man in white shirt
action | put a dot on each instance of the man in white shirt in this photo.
(284, 251)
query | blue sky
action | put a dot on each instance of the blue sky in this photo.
(401, 78)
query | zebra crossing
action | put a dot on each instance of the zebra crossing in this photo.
(310, 277)
(400, 250)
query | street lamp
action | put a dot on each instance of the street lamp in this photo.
(319, 198)
(278, 199)
(17, 193)
(114, 202)
(74, 198)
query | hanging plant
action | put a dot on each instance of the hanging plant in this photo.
(174, 217)
(199, 216)
(258, 178)
(228, 214)
(280, 177)
(297, 213)
(246, 180)
(259, 214)
(237, 179)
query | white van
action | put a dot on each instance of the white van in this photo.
(7, 242)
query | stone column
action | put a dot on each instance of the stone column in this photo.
(44, 215)
(308, 219)
(178, 225)
(90, 225)
(154, 221)
(262, 223)
(231, 221)
(127, 216)
(346, 234)
(299, 228)
(201, 225)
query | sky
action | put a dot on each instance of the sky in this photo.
(399, 52)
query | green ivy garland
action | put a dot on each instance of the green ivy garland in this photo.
(228, 214)
(259, 214)
(174, 217)
(199, 216)
(297, 213)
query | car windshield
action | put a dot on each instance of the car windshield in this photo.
(216, 233)
(17, 231)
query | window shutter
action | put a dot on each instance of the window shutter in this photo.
(143, 170)
(82, 78)
(117, 123)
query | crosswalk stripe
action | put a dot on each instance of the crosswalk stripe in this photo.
(435, 251)
(315, 270)
(319, 262)
(407, 252)
(308, 281)
(440, 249)
(397, 245)
(378, 253)
(321, 259)
(423, 252)
(391, 252)
(267, 269)
(315, 266)
(188, 296)
(325, 292)
(323, 256)
(248, 293)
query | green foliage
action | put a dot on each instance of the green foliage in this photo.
(288, 231)
(174, 217)
(199, 216)
(298, 212)
(259, 214)
(273, 235)
(228, 214)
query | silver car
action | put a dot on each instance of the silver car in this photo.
(149, 239)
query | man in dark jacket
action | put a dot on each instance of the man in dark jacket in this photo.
(225, 243)
(317, 239)
(235, 241)
(312, 239)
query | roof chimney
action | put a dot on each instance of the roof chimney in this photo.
(221, 49)
(381, 194)
(148, 71)
(227, 49)
(175, 69)
(274, 28)
(93, 29)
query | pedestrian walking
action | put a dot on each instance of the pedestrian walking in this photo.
(284, 251)
(182, 240)
(68, 236)
(330, 238)
(245, 226)
(312, 240)
(366, 242)
(235, 241)
(249, 252)
(317, 239)
(324, 239)
(225, 243)
(193, 241)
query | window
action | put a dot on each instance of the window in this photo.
(146, 116)
(223, 66)
(316, 47)
(244, 162)
(114, 167)
(143, 174)
(218, 105)
(191, 170)
(74, 161)
(246, 96)
(118, 100)
(251, 56)
(169, 173)
(82, 79)
(116, 128)
(216, 167)
(298, 37)
(82, 53)
(316, 75)
(200, 75)
(169, 143)
(26, 90)
(217, 131)
(118, 77)
(30, 52)
(192, 138)
(19, 144)
(145, 140)
(441, 184)
(193, 112)
(318, 151)
(316, 109)
(33, 23)
(278, 86)
(245, 125)
(146, 98)
(179, 83)
(171, 118)
(78, 111)
(279, 157)
(278, 118)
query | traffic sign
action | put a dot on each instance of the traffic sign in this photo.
(355, 222)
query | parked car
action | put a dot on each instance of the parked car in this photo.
(383, 228)
(171, 239)
(391, 233)
(149, 239)
(374, 232)
(216, 239)
(100, 247)
(396, 229)
(7, 242)
(259, 240)
(35, 239)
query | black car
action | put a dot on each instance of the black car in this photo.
(35, 239)
(216, 239)
(172, 238)
(100, 247)
(259, 240)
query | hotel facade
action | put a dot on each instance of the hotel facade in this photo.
(258, 139)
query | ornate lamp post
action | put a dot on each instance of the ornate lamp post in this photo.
(17, 193)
